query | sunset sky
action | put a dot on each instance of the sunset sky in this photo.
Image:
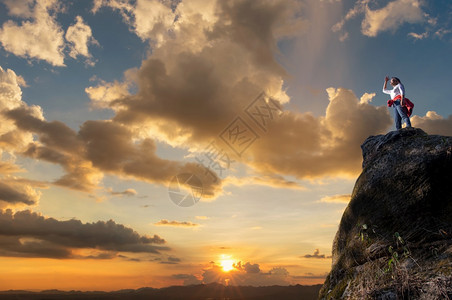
(106, 104)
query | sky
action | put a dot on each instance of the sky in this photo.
(157, 143)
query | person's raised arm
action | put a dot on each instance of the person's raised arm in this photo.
(385, 90)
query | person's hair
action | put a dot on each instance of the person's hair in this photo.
(398, 80)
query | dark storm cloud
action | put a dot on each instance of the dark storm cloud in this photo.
(26, 233)
(12, 195)
(255, 25)
(199, 89)
(22, 247)
(99, 146)
(54, 134)
(247, 267)
(189, 93)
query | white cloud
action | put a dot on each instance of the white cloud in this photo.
(39, 36)
(152, 19)
(13, 191)
(20, 8)
(11, 98)
(103, 94)
(149, 19)
(79, 36)
(10, 91)
(352, 13)
(418, 36)
(434, 29)
(123, 6)
(366, 98)
(442, 32)
(391, 16)
(387, 18)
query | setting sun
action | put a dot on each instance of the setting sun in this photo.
(227, 264)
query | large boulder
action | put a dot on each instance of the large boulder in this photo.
(395, 237)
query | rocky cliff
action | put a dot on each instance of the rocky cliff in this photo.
(395, 238)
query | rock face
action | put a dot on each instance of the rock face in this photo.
(395, 237)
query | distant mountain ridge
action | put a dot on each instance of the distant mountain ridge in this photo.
(395, 237)
(211, 291)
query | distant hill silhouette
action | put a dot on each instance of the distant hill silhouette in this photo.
(213, 291)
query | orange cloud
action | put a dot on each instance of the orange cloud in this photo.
(127, 192)
(176, 223)
(306, 146)
(14, 193)
(273, 180)
(433, 123)
(336, 199)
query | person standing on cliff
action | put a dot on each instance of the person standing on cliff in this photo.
(398, 96)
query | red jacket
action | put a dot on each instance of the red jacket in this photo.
(407, 104)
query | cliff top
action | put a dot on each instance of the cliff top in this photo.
(395, 236)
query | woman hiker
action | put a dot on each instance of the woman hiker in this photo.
(397, 99)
